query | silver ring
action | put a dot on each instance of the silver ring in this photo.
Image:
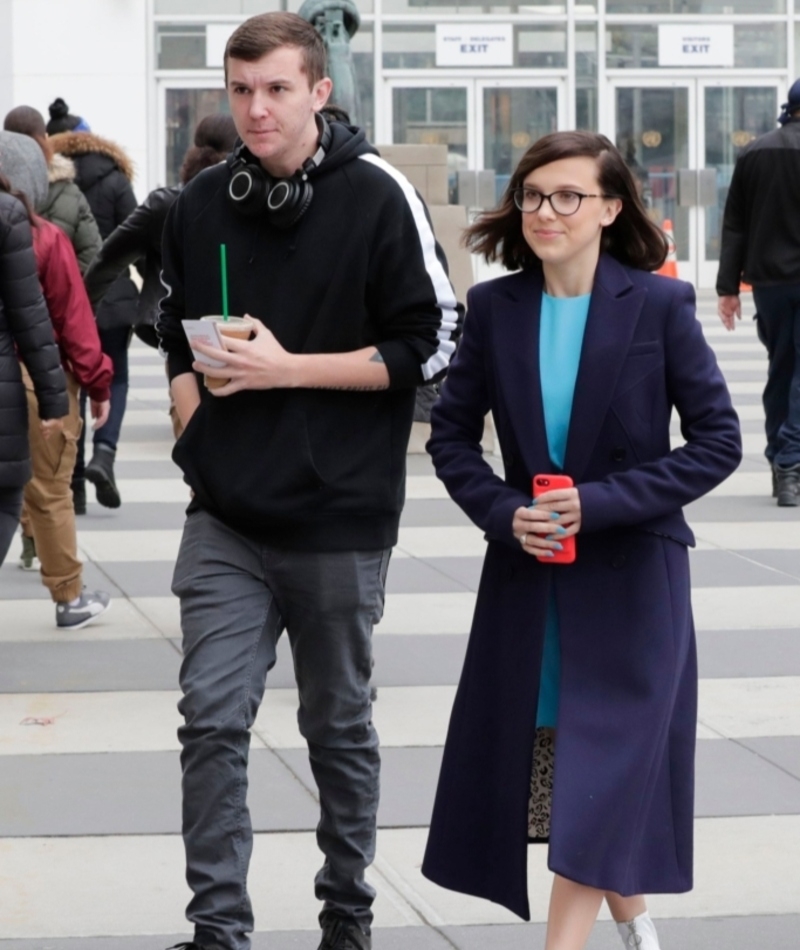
(523, 539)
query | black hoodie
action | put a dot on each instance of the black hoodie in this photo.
(303, 468)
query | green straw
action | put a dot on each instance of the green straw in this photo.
(223, 266)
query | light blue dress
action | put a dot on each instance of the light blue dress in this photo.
(560, 342)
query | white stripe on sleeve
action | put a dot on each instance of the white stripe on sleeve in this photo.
(445, 296)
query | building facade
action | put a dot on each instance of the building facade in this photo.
(679, 85)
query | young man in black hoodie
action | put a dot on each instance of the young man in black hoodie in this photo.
(297, 464)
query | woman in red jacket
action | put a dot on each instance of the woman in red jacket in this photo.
(48, 519)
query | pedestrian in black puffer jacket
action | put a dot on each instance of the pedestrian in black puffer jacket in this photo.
(104, 174)
(25, 329)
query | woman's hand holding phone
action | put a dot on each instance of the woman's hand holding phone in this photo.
(554, 516)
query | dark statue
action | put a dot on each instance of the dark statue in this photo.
(337, 21)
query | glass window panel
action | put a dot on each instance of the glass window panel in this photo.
(540, 46)
(796, 70)
(362, 47)
(734, 116)
(756, 46)
(215, 7)
(632, 46)
(696, 6)
(586, 76)
(433, 115)
(472, 8)
(759, 45)
(513, 119)
(185, 108)
(181, 47)
(236, 7)
(407, 47)
(653, 136)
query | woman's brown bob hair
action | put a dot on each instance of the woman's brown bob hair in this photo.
(632, 239)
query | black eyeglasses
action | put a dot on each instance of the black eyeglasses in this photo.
(564, 203)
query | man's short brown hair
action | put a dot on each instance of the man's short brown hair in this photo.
(269, 31)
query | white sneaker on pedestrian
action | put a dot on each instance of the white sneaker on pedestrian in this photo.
(72, 615)
(639, 933)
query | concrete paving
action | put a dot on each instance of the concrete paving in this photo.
(90, 852)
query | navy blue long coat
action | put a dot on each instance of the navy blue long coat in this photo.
(624, 767)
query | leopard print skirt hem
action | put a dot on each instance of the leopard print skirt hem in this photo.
(540, 802)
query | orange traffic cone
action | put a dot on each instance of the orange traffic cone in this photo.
(670, 266)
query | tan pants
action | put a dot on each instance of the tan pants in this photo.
(48, 515)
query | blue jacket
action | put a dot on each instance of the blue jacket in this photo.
(623, 787)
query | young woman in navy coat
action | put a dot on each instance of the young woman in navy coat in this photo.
(581, 357)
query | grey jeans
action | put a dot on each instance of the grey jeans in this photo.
(237, 596)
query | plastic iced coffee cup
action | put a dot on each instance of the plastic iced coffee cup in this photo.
(238, 328)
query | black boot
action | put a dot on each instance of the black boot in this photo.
(788, 486)
(79, 496)
(100, 472)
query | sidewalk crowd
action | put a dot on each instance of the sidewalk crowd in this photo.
(294, 286)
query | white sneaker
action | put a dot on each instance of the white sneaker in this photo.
(639, 933)
(89, 607)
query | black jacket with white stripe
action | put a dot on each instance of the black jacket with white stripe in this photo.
(312, 469)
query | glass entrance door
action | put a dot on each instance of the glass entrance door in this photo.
(485, 124)
(732, 117)
(681, 139)
(513, 118)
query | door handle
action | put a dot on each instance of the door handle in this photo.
(707, 187)
(697, 187)
(687, 187)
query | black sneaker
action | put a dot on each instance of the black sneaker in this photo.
(788, 486)
(89, 607)
(343, 933)
(100, 472)
(79, 496)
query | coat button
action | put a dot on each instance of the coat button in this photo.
(618, 560)
(618, 454)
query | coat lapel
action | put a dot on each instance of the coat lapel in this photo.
(613, 313)
(516, 315)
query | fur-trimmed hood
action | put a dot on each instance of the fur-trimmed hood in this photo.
(72, 144)
(60, 168)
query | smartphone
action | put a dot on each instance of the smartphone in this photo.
(542, 484)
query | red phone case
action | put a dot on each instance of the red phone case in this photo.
(542, 484)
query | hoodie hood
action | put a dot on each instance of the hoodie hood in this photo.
(347, 143)
(23, 163)
(60, 168)
(79, 144)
